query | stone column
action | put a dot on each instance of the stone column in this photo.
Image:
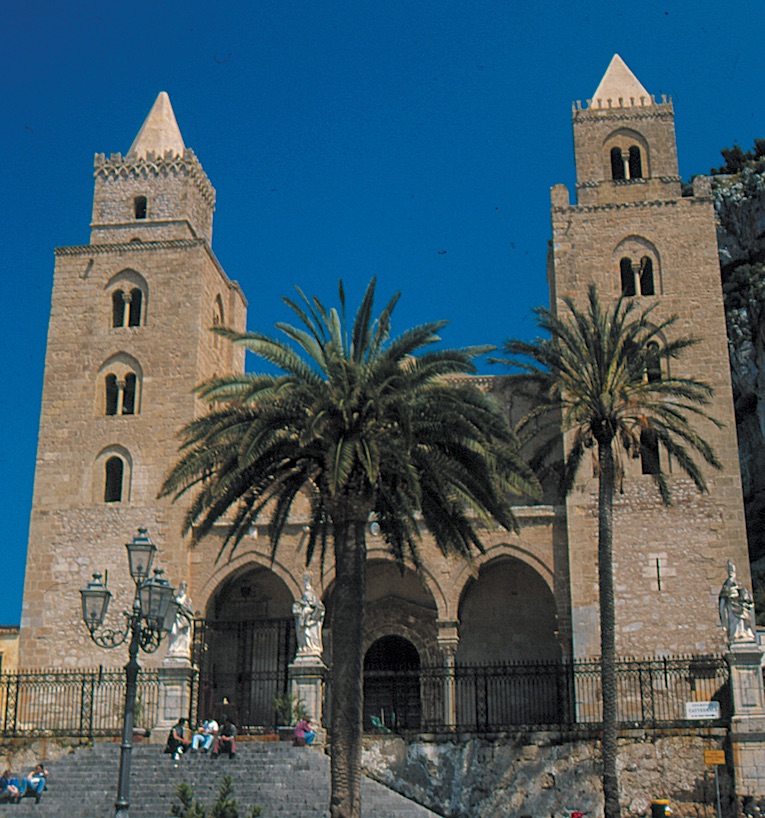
(307, 675)
(175, 685)
(748, 723)
(448, 642)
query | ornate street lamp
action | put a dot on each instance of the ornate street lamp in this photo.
(152, 615)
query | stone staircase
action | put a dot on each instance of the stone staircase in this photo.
(286, 781)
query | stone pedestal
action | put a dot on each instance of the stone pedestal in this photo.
(308, 675)
(448, 642)
(175, 686)
(748, 723)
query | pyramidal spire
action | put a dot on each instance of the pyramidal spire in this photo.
(160, 132)
(619, 83)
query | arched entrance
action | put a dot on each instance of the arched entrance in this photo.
(392, 685)
(243, 648)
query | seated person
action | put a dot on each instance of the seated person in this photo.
(10, 788)
(178, 742)
(225, 741)
(303, 732)
(205, 735)
(35, 782)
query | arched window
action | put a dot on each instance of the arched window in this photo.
(112, 394)
(128, 395)
(635, 163)
(617, 164)
(217, 320)
(135, 299)
(653, 363)
(114, 472)
(118, 308)
(119, 393)
(627, 277)
(140, 207)
(646, 276)
(128, 291)
(649, 452)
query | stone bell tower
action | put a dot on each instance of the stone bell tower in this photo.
(128, 341)
(632, 232)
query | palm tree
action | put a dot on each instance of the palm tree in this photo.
(598, 379)
(364, 428)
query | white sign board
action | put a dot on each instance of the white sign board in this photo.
(702, 710)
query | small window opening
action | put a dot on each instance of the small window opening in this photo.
(635, 163)
(627, 276)
(653, 363)
(113, 485)
(649, 452)
(646, 276)
(118, 308)
(135, 298)
(140, 206)
(128, 395)
(112, 394)
(617, 164)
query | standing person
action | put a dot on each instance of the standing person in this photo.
(225, 741)
(205, 736)
(178, 742)
(36, 781)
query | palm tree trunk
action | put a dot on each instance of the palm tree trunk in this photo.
(346, 677)
(606, 487)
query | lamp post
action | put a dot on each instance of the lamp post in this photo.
(152, 615)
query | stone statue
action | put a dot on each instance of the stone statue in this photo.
(309, 618)
(179, 643)
(736, 609)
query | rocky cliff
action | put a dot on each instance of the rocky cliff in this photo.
(740, 208)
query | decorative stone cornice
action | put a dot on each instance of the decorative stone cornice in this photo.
(117, 165)
(656, 203)
(129, 246)
(147, 246)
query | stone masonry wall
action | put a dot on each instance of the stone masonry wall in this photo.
(543, 775)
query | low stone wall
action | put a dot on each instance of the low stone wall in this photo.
(21, 754)
(544, 774)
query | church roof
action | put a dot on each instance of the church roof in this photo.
(620, 83)
(160, 132)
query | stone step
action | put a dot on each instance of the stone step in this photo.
(287, 781)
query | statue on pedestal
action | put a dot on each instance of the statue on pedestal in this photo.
(736, 609)
(179, 643)
(309, 618)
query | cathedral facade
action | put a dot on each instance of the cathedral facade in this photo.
(129, 340)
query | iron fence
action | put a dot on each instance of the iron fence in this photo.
(652, 693)
(78, 703)
(546, 695)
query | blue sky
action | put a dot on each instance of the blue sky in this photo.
(415, 141)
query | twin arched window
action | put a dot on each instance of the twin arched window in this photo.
(637, 277)
(627, 164)
(118, 388)
(121, 394)
(126, 307)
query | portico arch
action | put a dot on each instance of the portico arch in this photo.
(245, 644)
(507, 614)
